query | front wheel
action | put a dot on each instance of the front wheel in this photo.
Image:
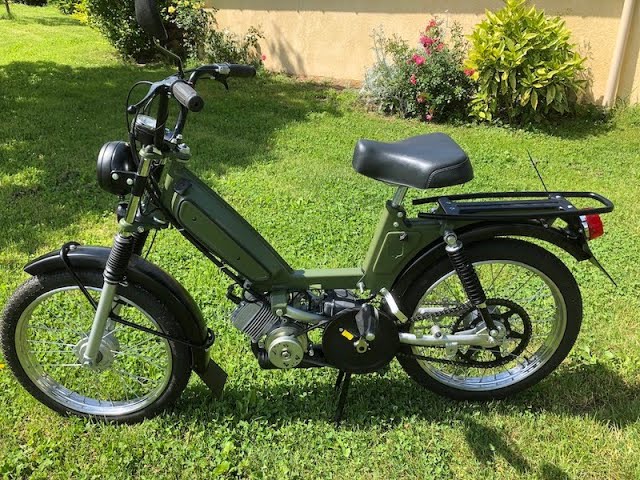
(533, 299)
(44, 331)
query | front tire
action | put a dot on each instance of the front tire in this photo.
(44, 328)
(529, 290)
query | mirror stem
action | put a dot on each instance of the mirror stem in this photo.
(168, 52)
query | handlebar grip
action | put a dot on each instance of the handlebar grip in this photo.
(187, 96)
(241, 71)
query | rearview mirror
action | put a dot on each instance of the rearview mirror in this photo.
(149, 19)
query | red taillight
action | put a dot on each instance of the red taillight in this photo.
(593, 226)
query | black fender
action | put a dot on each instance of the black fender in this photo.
(573, 243)
(160, 284)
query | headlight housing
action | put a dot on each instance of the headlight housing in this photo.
(116, 168)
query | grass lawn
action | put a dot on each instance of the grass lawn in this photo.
(280, 152)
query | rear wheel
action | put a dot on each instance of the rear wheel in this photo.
(533, 299)
(44, 332)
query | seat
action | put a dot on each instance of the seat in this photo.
(426, 161)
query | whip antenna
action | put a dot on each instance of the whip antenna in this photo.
(535, 167)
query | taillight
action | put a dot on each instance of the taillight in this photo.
(593, 226)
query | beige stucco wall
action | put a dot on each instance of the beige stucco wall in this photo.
(331, 38)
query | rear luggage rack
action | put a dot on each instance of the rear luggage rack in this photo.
(513, 205)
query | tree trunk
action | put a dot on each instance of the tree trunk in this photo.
(6, 4)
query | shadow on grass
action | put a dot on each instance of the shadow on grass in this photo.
(58, 117)
(592, 391)
(54, 21)
(593, 122)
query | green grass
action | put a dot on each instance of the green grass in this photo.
(279, 151)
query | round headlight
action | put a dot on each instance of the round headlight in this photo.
(115, 166)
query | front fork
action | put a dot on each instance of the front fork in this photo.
(125, 244)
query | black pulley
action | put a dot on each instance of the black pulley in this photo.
(347, 349)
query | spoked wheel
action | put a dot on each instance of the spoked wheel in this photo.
(44, 334)
(534, 302)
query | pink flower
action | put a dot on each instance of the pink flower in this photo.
(469, 72)
(263, 57)
(413, 80)
(432, 23)
(428, 117)
(427, 41)
(421, 99)
(418, 59)
(440, 47)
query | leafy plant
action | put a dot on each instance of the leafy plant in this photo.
(33, 3)
(67, 7)
(225, 46)
(525, 66)
(428, 82)
(186, 22)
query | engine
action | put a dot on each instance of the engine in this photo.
(285, 342)
(356, 337)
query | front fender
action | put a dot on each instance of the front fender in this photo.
(157, 282)
(573, 244)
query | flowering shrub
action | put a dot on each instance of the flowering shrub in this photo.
(428, 82)
(525, 66)
(191, 31)
(187, 24)
(117, 22)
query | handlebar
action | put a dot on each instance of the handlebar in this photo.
(184, 92)
(187, 96)
(242, 71)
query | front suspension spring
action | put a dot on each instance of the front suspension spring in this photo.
(119, 257)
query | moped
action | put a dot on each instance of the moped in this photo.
(463, 295)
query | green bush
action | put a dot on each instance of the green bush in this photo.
(186, 22)
(77, 8)
(33, 3)
(68, 7)
(525, 66)
(224, 46)
(428, 82)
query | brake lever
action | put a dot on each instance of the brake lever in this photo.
(223, 80)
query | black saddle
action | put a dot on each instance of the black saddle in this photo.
(425, 161)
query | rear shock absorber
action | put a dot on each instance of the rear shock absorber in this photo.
(468, 277)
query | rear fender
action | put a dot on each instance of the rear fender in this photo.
(157, 282)
(574, 244)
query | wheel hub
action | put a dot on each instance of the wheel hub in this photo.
(109, 345)
(513, 331)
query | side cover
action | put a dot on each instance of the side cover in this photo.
(159, 283)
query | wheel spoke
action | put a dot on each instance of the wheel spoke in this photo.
(132, 367)
(536, 318)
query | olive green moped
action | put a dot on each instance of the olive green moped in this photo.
(469, 307)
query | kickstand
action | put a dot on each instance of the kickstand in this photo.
(342, 383)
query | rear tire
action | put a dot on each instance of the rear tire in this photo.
(508, 254)
(40, 338)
